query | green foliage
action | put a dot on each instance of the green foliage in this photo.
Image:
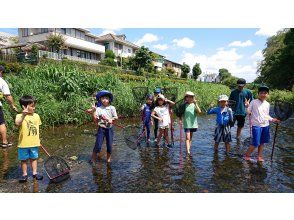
(143, 60)
(108, 62)
(185, 70)
(109, 54)
(12, 67)
(196, 70)
(230, 81)
(277, 67)
(56, 42)
(223, 74)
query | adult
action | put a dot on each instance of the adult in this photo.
(242, 97)
(4, 89)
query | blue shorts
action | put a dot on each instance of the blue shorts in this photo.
(260, 135)
(190, 130)
(28, 153)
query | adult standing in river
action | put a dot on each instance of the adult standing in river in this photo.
(242, 97)
(4, 89)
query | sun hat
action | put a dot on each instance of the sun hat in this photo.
(157, 90)
(160, 96)
(263, 88)
(223, 98)
(101, 94)
(241, 82)
(189, 93)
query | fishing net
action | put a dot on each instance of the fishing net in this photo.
(170, 93)
(140, 94)
(56, 168)
(133, 136)
(179, 108)
(283, 110)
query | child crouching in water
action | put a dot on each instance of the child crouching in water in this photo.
(104, 113)
(188, 114)
(258, 110)
(146, 110)
(161, 112)
(29, 140)
(224, 119)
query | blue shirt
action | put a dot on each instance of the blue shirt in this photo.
(240, 96)
(222, 118)
(147, 110)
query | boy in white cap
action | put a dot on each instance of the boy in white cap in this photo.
(224, 120)
(161, 112)
(189, 112)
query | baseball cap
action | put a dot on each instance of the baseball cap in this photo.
(223, 98)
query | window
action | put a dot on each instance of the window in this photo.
(90, 39)
(129, 50)
(44, 30)
(118, 46)
(106, 46)
(79, 34)
(25, 32)
(63, 30)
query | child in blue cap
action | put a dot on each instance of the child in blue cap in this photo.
(104, 114)
(146, 110)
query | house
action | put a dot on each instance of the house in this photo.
(6, 40)
(80, 44)
(118, 44)
(175, 66)
(210, 77)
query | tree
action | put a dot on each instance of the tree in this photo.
(143, 60)
(196, 70)
(230, 81)
(185, 70)
(109, 54)
(277, 67)
(108, 60)
(223, 74)
(56, 42)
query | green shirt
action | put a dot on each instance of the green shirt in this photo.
(239, 97)
(190, 116)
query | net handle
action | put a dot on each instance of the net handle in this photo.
(44, 149)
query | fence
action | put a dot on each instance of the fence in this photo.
(8, 57)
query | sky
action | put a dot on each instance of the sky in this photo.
(237, 49)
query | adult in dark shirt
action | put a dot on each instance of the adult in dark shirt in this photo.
(242, 97)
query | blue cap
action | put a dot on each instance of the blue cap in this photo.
(157, 90)
(101, 94)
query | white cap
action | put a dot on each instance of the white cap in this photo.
(160, 96)
(189, 93)
(223, 98)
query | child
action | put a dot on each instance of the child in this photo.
(224, 120)
(161, 113)
(105, 114)
(157, 91)
(146, 110)
(190, 109)
(29, 139)
(258, 110)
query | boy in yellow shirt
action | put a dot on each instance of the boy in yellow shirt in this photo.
(29, 139)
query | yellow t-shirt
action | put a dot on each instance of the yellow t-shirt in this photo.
(29, 131)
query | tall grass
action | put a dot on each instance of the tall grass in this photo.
(62, 89)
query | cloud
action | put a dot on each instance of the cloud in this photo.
(109, 31)
(228, 59)
(161, 46)
(257, 55)
(147, 38)
(184, 42)
(241, 44)
(267, 32)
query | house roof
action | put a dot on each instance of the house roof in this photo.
(173, 62)
(116, 38)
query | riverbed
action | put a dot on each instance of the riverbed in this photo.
(151, 169)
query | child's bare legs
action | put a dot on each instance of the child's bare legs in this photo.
(159, 136)
(3, 132)
(24, 167)
(108, 157)
(94, 157)
(227, 144)
(249, 152)
(188, 142)
(166, 136)
(260, 150)
(216, 146)
(34, 166)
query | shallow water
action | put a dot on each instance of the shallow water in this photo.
(149, 169)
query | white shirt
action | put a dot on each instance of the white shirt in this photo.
(163, 112)
(259, 113)
(4, 88)
(108, 112)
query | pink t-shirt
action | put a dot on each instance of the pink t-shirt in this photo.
(259, 113)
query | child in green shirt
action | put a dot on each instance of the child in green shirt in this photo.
(189, 117)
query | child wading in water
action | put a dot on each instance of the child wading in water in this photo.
(105, 114)
(259, 112)
(29, 139)
(146, 110)
(161, 113)
(188, 114)
(224, 120)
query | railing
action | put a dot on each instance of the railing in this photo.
(8, 57)
(57, 56)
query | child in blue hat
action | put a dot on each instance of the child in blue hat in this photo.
(104, 114)
(146, 110)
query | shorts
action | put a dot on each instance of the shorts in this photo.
(28, 153)
(2, 120)
(260, 135)
(222, 133)
(164, 127)
(102, 133)
(190, 130)
(240, 120)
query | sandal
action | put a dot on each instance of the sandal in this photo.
(37, 176)
(23, 179)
